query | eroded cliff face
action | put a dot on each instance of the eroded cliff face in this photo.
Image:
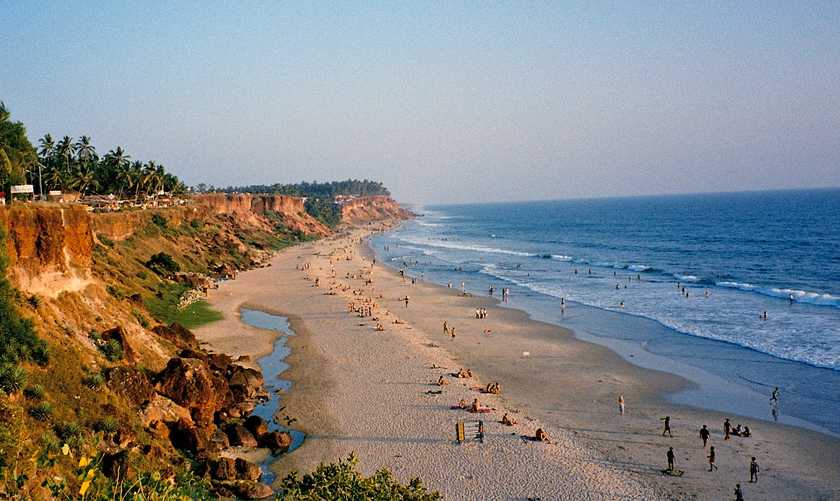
(251, 207)
(49, 248)
(363, 210)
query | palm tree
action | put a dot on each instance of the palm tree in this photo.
(82, 178)
(64, 149)
(85, 152)
(46, 149)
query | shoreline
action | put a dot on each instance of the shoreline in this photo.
(582, 423)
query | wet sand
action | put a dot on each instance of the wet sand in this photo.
(357, 389)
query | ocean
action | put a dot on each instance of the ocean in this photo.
(679, 283)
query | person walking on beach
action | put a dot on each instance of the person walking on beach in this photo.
(445, 328)
(753, 471)
(704, 435)
(739, 496)
(621, 404)
(727, 428)
(667, 428)
(712, 465)
(670, 456)
(406, 301)
(774, 397)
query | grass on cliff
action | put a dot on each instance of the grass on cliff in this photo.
(163, 305)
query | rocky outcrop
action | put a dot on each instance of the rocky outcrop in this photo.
(49, 248)
(190, 383)
(250, 207)
(364, 210)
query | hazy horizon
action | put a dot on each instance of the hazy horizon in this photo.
(444, 103)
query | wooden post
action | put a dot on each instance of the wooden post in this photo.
(459, 431)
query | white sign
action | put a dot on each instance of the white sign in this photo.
(55, 193)
(22, 188)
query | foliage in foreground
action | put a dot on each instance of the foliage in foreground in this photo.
(341, 480)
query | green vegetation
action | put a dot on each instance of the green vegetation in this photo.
(342, 481)
(324, 210)
(41, 411)
(196, 315)
(17, 155)
(314, 189)
(69, 165)
(110, 348)
(17, 337)
(162, 263)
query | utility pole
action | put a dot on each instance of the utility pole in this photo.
(40, 183)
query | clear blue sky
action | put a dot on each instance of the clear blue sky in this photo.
(448, 101)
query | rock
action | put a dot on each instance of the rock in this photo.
(218, 441)
(186, 435)
(252, 490)
(276, 440)
(244, 358)
(190, 383)
(177, 334)
(256, 425)
(223, 469)
(115, 466)
(119, 334)
(246, 470)
(240, 436)
(245, 382)
(164, 410)
(132, 384)
(219, 361)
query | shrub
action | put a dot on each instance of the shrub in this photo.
(41, 411)
(114, 292)
(104, 240)
(341, 480)
(107, 425)
(159, 220)
(93, 381)
(34, 392)
(142, 275)
(12, 378)
(68, 430)
(196, 224)
(162, 263)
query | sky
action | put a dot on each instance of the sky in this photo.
(444, 102)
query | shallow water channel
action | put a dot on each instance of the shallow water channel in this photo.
(272, 366)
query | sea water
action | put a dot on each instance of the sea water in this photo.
(678, 282)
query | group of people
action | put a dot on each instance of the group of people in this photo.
(481, 313)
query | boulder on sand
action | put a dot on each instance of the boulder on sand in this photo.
(246, 470)
(276, 440)
(240, 436)
(189, 382)
(256, 425)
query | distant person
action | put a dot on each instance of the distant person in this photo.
(704, 435)
(753, 470)
(739, 496)
(764, 315)
(712, 465)
(746, 432)
(491, 291)
(790, 298)
(406, 301)
(774, 397)
(445, 327)
(449, 285)
(667, 428)
(670, 456)
(621, 404)
(727, 429)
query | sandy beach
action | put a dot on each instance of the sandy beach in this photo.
(375, 393)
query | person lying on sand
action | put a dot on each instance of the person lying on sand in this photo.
(380, 328)
(476, 406)
(464, 373)
(541, 436)
(494, 388)
(442, 381)
(507, 420)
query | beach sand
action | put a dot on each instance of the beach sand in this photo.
(356, 389)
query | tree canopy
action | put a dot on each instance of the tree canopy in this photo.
(364, 187)
(17, 155)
